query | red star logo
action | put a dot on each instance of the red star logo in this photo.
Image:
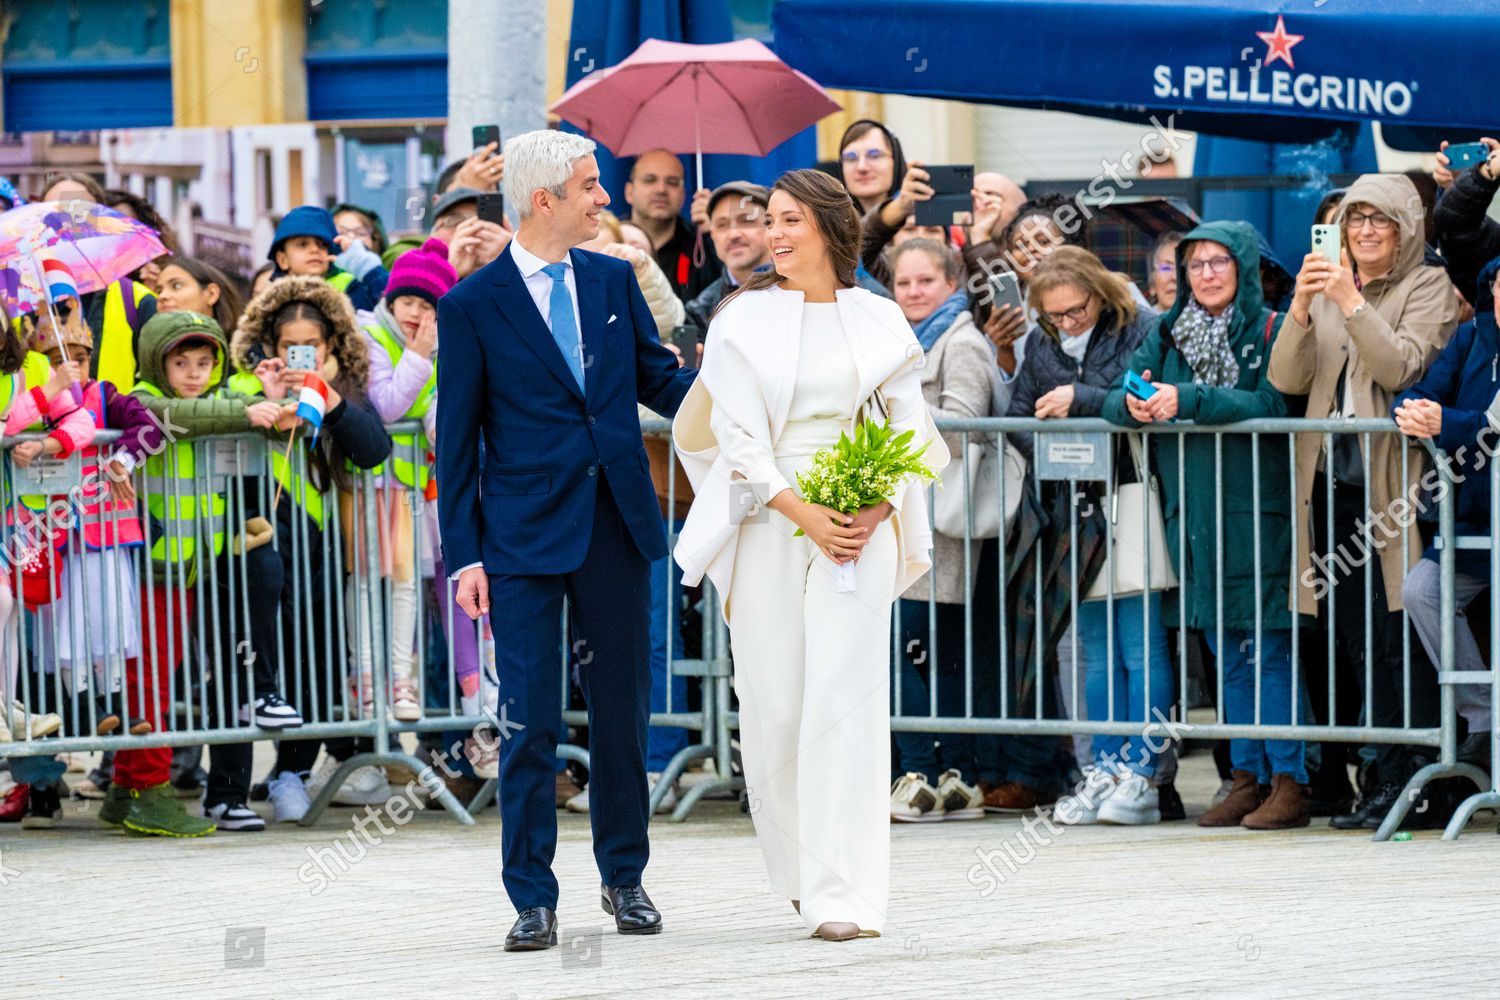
(1279, 43)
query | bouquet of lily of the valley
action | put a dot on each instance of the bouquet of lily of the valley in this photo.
(861, 471)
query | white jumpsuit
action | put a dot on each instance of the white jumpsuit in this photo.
(812, 666)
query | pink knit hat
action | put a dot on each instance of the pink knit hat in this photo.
(423, 272)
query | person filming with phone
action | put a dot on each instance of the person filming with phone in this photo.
(1367, 319)
(1466, 234)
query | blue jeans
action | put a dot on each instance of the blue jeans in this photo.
(1134, 643)
(41, 771)
(664, 742)
(1262, 758)
(931, 754)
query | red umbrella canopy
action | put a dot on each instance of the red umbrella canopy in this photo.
(730, 97)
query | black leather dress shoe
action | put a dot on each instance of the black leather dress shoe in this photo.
(633, 910)
(535, 929)
(1371, 812)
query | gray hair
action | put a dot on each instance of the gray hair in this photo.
(542, 159)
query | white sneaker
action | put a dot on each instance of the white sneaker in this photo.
(20, 722)
(669, 800)
(288, 797)
(367, 786)
(1082, 807)
(913, 800)
(1134, 802)
(405, 706)
(484, 757)
(578, 803)
(960, 800)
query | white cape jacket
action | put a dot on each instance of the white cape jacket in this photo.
(749, 372)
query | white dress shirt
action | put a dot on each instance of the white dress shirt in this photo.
(540, 287)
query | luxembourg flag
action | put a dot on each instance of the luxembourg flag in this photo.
(312, 403)
(60, 281)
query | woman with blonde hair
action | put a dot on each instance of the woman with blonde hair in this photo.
(1089, 324)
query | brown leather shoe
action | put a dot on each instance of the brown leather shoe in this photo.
(1013, 797)
(1285, 809)
(1243, 799)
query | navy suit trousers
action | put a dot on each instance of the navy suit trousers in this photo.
(609, 597)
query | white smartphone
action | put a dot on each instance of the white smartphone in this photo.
(1327, 242)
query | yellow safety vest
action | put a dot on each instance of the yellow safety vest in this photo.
(404, 445)
(170, 482)
(299, 489)
(116, 343)
(341, 281)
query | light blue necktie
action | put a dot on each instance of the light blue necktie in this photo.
(564, 326)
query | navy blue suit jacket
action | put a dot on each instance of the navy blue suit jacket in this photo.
(547, 447)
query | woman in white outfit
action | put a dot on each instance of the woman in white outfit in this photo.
(793, 359)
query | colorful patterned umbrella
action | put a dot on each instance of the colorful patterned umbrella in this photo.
(97, 244)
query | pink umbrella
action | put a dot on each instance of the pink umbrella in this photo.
(731, 97)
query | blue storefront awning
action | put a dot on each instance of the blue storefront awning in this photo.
(1288, 71)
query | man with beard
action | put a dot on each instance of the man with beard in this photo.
(737, 223)
(655, 193)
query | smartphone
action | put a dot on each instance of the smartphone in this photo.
(492, 208)
(952, 201)
(1466, 155)
(685, 339)
(1326, 242)
(1007, 290)
(1138, 387)
(486, 134)
(302, 357)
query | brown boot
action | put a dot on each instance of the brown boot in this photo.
(1243, 799)
(1285, 809)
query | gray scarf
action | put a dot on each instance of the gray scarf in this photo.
(1204, 343)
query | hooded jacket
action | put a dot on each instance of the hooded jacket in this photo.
(1254, 592)
(351, 430)
(1464, 379)
(1408, 316)
(220, 410)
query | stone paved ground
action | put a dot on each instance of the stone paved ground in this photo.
(1169, 911)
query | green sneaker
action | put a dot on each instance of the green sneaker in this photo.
(116, 805)
(156, 812)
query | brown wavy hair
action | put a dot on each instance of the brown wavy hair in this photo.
(1070, 265)
(834, 215)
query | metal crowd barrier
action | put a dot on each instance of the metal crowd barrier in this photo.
(323, 636)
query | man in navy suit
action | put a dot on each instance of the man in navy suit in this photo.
(545, 352)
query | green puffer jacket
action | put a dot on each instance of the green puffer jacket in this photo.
(220, 410)
(1191, 499)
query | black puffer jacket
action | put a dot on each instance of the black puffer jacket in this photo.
(1046, 367)
(1468, 238)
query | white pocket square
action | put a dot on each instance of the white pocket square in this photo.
(612, 318)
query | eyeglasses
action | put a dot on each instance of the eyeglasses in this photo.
(1218, 265)
(1379, 220)
(358, 232)
(1077, 314)
(1165, 267)
(870, 156)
